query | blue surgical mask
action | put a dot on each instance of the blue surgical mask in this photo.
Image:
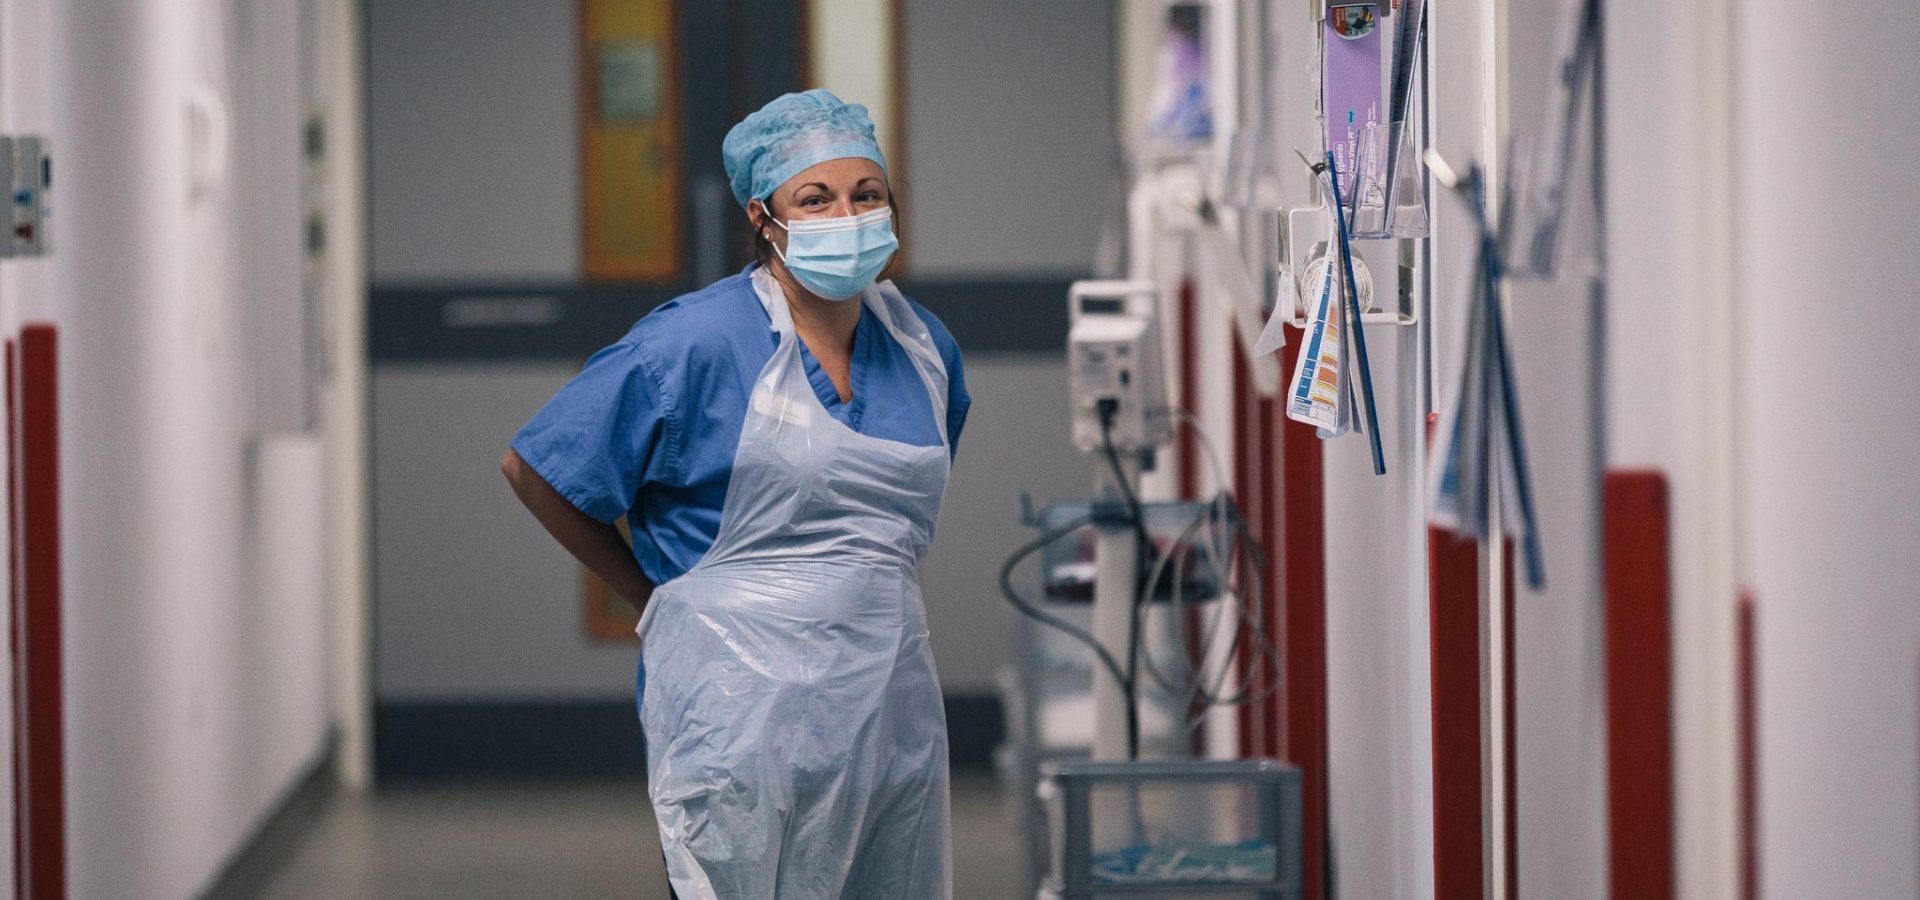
(838, 258)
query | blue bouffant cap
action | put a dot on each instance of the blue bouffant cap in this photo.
(791, 134)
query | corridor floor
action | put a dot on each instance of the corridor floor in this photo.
(577, 840)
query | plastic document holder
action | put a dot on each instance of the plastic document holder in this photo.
(1303, 245)
(1389, 200)
(1173, 828)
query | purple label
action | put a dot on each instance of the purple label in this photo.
(1352, 80)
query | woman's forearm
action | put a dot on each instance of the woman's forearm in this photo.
(596, 544)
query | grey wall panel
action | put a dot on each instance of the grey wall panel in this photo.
(473, 168)
(1010, 123)
(472, 598)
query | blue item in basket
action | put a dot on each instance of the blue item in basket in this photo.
(1246, 862)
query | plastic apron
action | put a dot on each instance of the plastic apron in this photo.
(796, 739)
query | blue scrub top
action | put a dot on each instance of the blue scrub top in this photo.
(649, 426)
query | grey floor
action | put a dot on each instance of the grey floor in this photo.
(588, 840)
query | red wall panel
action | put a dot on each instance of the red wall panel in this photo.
(40, 814)
(1639, 686)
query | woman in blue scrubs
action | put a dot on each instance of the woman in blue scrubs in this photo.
(779, 442)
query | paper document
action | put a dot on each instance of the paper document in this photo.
(1480, 438)
(1318, 385)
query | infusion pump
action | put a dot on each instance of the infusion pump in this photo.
(1114, 367)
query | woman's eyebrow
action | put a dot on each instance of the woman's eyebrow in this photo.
(811, 184)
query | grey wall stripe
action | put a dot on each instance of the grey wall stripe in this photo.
(422, 741)
(477, 322)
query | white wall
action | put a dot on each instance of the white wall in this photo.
(1760, 222)
(25, 108)
(1827, 232)
(1559, 725)
(1673, 313)
(195, 544)
(476, 602)
(339, 47)
(1762, 245)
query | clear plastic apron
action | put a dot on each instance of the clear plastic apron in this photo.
(796, 741)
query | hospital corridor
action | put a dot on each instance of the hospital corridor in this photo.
(960, 449)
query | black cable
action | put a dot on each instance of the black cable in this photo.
(1142, 545)
(1120, 476)
(1244, 555)
(1178, 607)
(1246, 558)
(1045, 618)
(1244, 694)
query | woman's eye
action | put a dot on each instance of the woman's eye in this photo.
(869, 197)
(813, 201)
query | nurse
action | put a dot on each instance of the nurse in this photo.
(779, 442)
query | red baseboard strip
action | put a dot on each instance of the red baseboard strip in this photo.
(1188, 473)
(37, 667)
(1189, 349)
(1453, 622)
(1511, 706)
(1639, 685)
(1273, 512)
(1749, 750)
(1248, 493)
(1453, 598)
(1303, 591)
(14, 603)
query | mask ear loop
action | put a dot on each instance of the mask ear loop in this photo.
(766, 215)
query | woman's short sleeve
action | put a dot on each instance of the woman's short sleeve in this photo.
(598, 438)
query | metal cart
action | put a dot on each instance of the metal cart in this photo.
(1172, 828)
(1047, 695)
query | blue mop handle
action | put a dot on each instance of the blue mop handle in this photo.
(1359, 331)
(1510, 406)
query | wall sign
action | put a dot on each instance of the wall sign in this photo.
(630, 195)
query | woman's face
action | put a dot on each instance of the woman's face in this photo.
(835, 188)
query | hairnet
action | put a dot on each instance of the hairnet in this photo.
(791, 134)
